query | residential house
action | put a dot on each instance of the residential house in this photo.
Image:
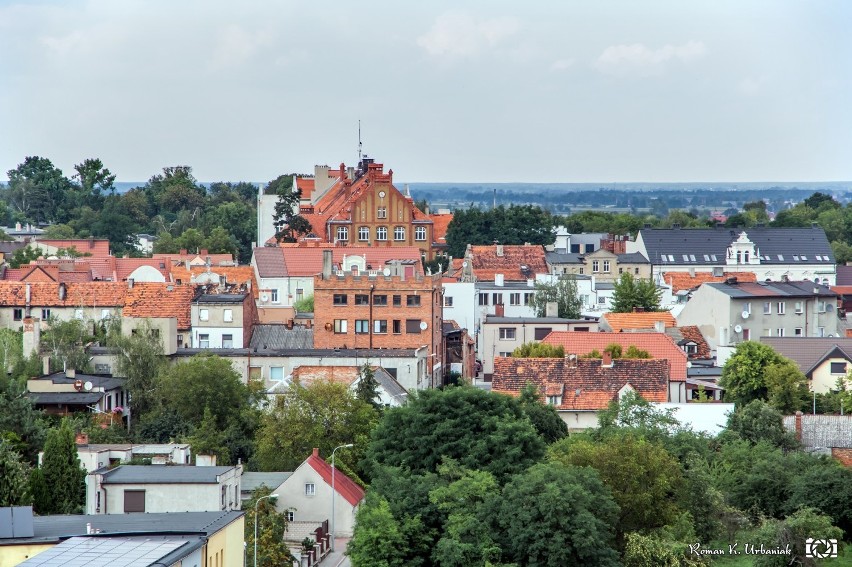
(162, 540)
(620, 322)
(306, 497)
(772, 254)
(360, 206)
(732, 312)
(199, 258)
(659, 345)
(502, 335)
(163, 488)
(167, 306)
(461, 350)
(390, 392)
(577, 243)
(222, 320)
(844, 290)
(608, 266)
(285, 274)
(251, 481)
(63, 393)
(579, 388)
(365, 310)
(99, 455)
(93, 247)
(460, 304)
(560, 262)
(823, 434)
(515, 263)
(23, 232)
(823, 361)
(88, 301)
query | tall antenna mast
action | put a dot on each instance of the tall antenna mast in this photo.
(359, 141)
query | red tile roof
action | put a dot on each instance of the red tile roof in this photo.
(486, 263)
(583, 383)
(344, 485)
(306, 184)
(440, 223)
(302, 261)
(658, 345)
(619, 322)
(200, 257)
(683, 281)
(234, 275)
(86, 294)
(98, 248)
(160, 300)
(693, 333)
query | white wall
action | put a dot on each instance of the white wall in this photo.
(315, 508)
(463, 310)
(216, 334)
(704, 418)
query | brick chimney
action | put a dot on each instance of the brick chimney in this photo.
(316, 453)
(607, 360)
(326, 264)
(500, 310)
(799, 426)
(81, 439)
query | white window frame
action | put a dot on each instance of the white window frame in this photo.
(382, 233)
(203, 314)
(363, 233)
(340, 326)
(273, 296)
(204, 340)
(767, 308)
(342, 233)
(508, 333)
(595, 266)
(515, 298)
(382, 213)
(782, 307)
(228, 315)
(310, 489)
(420, 234)
(779, 332)
(398, 233)
(276, 373)
(606, 266)
(230, 339)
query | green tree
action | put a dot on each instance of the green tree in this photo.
(480, 430)
(826, 487)
(794, 531)
(39, 492)
(59, 232)
(63, 474)
(630, 293)
(653, 551)
(37, 189)
(21, 425)
(272, 550)
(758, 422)
(322, 415)
(563, 292)
(744, 373)
(786, 386)
(516, 224)
(643, 477)
(66, 342)
(305, 305)
(139, 358)
(377, 541)
(551, 515)
(290, 223)
(94, 180)
(208, 439)
(23, 256)
(11, 349)
(538, 350)
(14, 483)
(633, 412)
(367, 389)
(544, 417)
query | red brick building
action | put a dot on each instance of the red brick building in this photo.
(359, 310)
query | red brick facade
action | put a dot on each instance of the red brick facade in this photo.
(379, 312)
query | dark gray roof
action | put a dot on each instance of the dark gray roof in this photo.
(55, 528)
(9, 247)
(67, 398)
(310, 352)
(163, 474)
(279, 336)
(706, 372)
(746, 290)
(557, 257)
(390, 385)
(631, 258)
(94, 551)
(776, 245)
(251, 481)
(270, 262)
(105, 381)
(604, 285)
(221, 298)
(808, 352)
(532, 320)
(823, 431)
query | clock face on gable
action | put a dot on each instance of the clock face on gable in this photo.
(381, 194)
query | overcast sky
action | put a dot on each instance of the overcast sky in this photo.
(561, 91)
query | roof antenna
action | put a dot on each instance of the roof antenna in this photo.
(359, 141)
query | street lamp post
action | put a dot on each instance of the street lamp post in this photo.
(255, 523)
(333, 490)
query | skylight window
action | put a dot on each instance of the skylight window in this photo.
(804, 258)
(819, 258)
(713, 256)
(692, 257)
(671, 258)
(781, 257)
(706, 258)
(686, 257)
(795, 257)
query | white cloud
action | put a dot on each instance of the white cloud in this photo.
(458, 34)
(63, 44)
(751, 86)
(561, 64)
(639, 59)
(236, 45)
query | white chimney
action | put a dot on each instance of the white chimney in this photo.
(498, 280)
(551, 309)
(530, 283)
(660, 326)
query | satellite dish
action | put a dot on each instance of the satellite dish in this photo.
(745, 314)
(829, 307)
(738, 328)
(87, 386)
(423, 325)
(386, 272)
(264, 297)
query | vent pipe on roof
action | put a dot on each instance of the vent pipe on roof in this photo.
(326, 264)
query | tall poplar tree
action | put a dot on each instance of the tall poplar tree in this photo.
(63, 474)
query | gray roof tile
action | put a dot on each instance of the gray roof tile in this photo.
(280, 337)
(163, 474)
(270, 262)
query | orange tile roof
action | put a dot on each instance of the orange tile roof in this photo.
(683, 281)
(658, 345)
(584, 384)
(693, 333)
(234, 275)
(215, 259)
(306, 184)
(125, 266)
(46, 294)
(620, 321)
(486, 263)
(98, 248)
(160, 300)
(440, 223)
(306, 375)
